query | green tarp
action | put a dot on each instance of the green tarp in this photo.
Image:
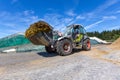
(18, 42)
(13, 40)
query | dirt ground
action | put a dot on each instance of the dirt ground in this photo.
(102, 62)
(116, 44)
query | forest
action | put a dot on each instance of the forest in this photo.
(108, 35)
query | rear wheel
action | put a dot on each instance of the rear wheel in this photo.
(49, 49)
(64, 47)
(86, 45)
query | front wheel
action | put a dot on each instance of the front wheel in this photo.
(86, 45)
(64, 47)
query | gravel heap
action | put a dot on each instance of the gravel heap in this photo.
(116, 44)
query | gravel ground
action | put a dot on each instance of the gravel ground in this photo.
(44, 66)
(114, 55)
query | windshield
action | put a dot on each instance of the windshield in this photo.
(67, 31)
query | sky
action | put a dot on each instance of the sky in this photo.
(95, 15)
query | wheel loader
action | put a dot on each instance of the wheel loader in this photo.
(74, 37)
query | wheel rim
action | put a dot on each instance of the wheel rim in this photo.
(88, 43)
(66, 47)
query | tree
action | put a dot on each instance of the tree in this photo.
(106, 35)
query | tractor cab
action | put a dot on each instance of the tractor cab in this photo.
(76, 32)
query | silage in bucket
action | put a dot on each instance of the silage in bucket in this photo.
(39, 33)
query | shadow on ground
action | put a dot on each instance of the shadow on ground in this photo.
(77, 50)
(45, 54)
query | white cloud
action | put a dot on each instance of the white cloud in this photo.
(34, 17)
(53, 19)
(80, 17)
(8, 32)
(3, 34)
(107, 4)
(100, 21)
(67, 20)
(70, 13)
(76, 2)
(118, 11)
(14, 1)
(114, 27)
(59, 22)
(16, 22)
(28, 12)
(4, 13)
(93, 24)
(100, 9)
(109, 17)
(11, 25)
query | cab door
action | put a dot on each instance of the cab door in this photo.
(81, 34)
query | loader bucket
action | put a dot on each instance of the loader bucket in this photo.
(40, 33)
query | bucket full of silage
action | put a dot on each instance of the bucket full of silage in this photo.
(40, 33)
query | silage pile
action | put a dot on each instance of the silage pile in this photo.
(37, 27)
(116, 44)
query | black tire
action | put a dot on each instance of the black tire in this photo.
(64, 47)
(49, 49)
(86, 45)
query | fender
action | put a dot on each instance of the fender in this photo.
(85, 37)
(60, 38)
(64, 37)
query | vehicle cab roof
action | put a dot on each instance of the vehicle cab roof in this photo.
(74, 25)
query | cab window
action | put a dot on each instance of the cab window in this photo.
(82, 30)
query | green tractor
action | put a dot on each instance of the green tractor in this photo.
(74, 37)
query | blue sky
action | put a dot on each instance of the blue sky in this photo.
(94, 15)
